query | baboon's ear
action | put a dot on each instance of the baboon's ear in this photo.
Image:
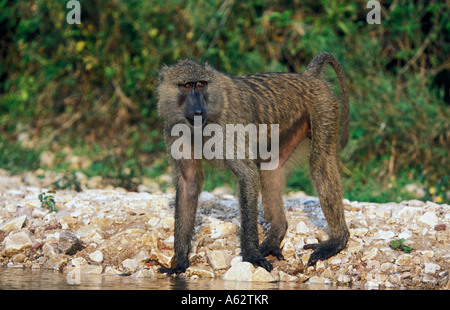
(162, 73)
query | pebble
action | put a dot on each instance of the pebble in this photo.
(143, 273)
(262, 275)
(96, 256)
(301, 228)
(91, 269)
(431, 268)
(16, 242)
(429, 218)
(14, 224)
(217, 259)
(130, 264)
(201, 271)
(69, 243)
(369, 254)
(240, 272)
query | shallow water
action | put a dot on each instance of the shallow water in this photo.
(39, 279)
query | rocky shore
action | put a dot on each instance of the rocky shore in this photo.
(105, 230)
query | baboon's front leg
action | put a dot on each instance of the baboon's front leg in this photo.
(272, 186)
(248, 185)
(188, 179)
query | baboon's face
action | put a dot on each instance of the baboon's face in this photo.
(194, 96)
(186, 91)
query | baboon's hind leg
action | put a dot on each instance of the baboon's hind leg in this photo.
(272, 186)
(324, 169)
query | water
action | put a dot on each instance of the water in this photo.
(42, 279)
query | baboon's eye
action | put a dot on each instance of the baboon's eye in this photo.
(187, 85)
(200, 84)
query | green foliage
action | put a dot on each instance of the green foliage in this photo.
(68, 182)
(399, 246)
(16, 158)
(92, 86)
(47, 200)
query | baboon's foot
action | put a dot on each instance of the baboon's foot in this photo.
(325, 250)
(171, 271)
(258, 260)
(180, 267)
(266, 248)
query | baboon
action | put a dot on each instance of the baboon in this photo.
(303, 105)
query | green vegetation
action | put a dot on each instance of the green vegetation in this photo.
(47, 200)
(88, 90)
(399, 246)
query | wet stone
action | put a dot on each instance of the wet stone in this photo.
(69, 243)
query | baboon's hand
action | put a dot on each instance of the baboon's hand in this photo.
(324, 250)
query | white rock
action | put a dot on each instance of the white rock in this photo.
(429, 218)
(369, 254)
(320, 266)
(143, 274)
(163, 257)
(386, 267)
(14, 224)
(334, 260)
(359, 231)
(78, 261)
(408, 212)
(404, 259)
(91, 269)
(284, 277)
(201, 271)
(316, 280)
(111, 270)
(221, 228)
(16, 242)
(236, 260)
(311, 240)
(288, 249)
(405, 235)
(240, 272)
(298, 246)
(130, 264)
(301, 228)
(96, 256)
(431, 268)
(218, 259)
(39, 212)
(154, 221)
(49, 250)
(261, 275)
(372, 284)
(385, 235)
(343, 278)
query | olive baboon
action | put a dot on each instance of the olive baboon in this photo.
(304, 107)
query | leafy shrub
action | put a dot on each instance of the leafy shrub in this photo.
(92, 85)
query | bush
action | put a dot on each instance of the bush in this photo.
(92, 86)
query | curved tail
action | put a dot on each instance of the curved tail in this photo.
(315, 69)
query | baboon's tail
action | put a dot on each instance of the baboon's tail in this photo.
(315, 69)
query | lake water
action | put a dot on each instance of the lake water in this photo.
(41, 279)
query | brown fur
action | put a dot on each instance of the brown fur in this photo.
(304, 107)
